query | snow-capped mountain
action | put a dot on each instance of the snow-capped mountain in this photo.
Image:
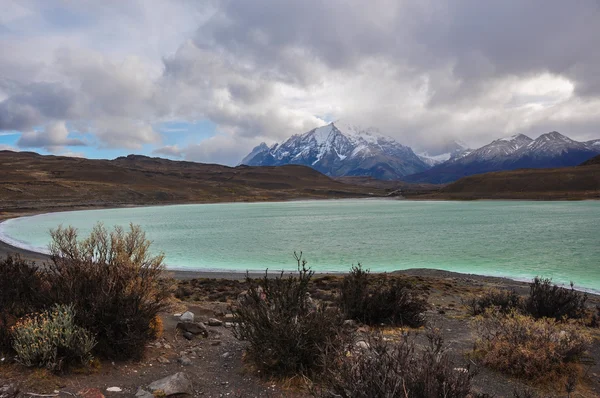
(448, 151)
(519, 151)
(339, 149)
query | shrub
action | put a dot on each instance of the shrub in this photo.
(522, 346)
(374, 300)
(285, 330)
(20, 294)
(390, 370)
(502, 300)
(52, 340)
(113, 283)
(547, 300)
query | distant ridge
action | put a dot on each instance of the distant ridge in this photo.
(30, 181)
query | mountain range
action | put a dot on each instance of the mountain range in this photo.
(345, 150)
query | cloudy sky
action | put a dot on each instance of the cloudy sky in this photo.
(208, 80)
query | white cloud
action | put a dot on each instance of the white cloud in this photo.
(53, 138)
(422, 72)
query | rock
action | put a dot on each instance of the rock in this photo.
(171, 385)
(193, 328)
(187, 316)
(177, 315)
(226, 355)
(215, 342)
(184, 361)
(214, 322)
(363, 345)
(114, 389)
(163, 360)
(188, 335)
(350, 323)
(8, 391)
(228, 325)
(141, 393)
(229, 317)
(90, 393)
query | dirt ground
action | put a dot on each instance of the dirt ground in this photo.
(217, 367)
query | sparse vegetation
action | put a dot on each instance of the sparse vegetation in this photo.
(113, 282)
(378, 299)
(52, 340)
(20, 286)
(502, 300)
(389, 370)
(285, 329)
(547, 300)
(530, 348)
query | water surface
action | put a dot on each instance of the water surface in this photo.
(517, 239)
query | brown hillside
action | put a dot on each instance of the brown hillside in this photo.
(593, 161)
(29, 181)
(543, 184)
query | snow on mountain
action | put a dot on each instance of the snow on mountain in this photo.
(518, 151)
(448, 151)
(340, 149)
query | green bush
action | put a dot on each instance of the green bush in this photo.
(547, 300)
(503, 300)
(113, 283)
(21, 291)
(52, 340)
(531, 348)
(388, 370)
(286, 331)
(378, 299)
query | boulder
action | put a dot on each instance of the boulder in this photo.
(193, 328)
(178, 383)
(141, 393)
(187, 316)
(214, 322)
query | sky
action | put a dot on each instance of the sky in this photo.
(207, 80)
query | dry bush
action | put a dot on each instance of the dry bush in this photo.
(21, 288)
(519, 345)
(52, 340)
(502, 300)
(285, 329)
(547, 300)
(378, 299)
(114, 284)
(389, 370)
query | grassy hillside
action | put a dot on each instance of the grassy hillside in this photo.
(30, 181)
(580, 182)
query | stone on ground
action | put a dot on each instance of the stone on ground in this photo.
(174, 384)
(187, 316)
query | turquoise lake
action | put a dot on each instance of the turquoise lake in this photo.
(516, 239)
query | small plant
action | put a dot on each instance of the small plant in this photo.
(52, 340)
(20, 294)
(547, 300)
(115, 285)
(522, 346)
(378, 299)
(502, 300)
(390, 370)
(285, 329)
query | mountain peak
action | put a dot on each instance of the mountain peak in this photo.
(340, 149)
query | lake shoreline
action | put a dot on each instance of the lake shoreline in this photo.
(183, 274)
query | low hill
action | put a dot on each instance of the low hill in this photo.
(579, 182)
(30, 181)
(593, 161)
